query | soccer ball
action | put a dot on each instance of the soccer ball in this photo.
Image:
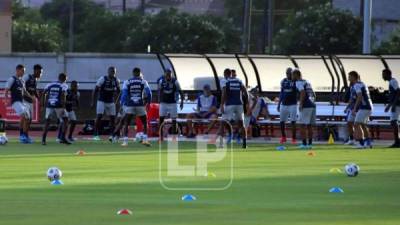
(352, 169)
(3, 140)
(53, 173)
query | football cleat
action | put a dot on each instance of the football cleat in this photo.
(146, 143)
(359, 146)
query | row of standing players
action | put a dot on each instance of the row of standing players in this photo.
(296, 95)
(358, 109)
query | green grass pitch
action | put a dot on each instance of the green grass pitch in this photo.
(269, 187)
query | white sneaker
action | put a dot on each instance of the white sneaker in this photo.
(349, 142)
(58, 140)
(359, 146)
(125, 142)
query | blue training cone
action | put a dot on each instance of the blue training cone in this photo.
(336, 190)
(57, 182)
(189, 198)
(281, 148)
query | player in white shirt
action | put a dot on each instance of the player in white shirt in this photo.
(206, 109)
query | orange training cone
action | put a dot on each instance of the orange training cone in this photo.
(311, 153)
(81, 153)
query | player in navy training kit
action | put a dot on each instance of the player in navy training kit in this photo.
(168, 88)
(393, 105)
(350, 117)
(137, 95)
(232, 105)
(71, 105)
(287, 106)
(307, 109)
(362, 111)
(55, 97)
(31, 87)
(109, 90)
(15, 85)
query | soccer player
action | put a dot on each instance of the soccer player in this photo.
(119, 123)
(72, 104)
(15, 85)
(206, 109)
(137, 95)
(233, 73)
(258, 107)
(168, 88)
(307, 110)
(393, 105)
(54, 96)
(31, 87)
(350, 116)
(362, 111)
(232, 106)
(109, 90)
(287, 106)
(227, 75)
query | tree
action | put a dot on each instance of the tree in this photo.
(235, 11)
(20, 12)
(392, 45)
(320, 30)
(168, 31)
(58, 11)
(35, 37)
(107, 32)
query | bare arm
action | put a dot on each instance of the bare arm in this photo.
(245, 95)
(44, 98)
(94, 93)
(118, 93)
(78, 102)
(26, 93)
(63, 99)
(302, 97)
(6, 92)
(182, 98)
(223, 97)
(393, 102)
(358, 101)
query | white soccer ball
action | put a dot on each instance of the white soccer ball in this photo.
(3, 140)
(53, 173)
(352, 169)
